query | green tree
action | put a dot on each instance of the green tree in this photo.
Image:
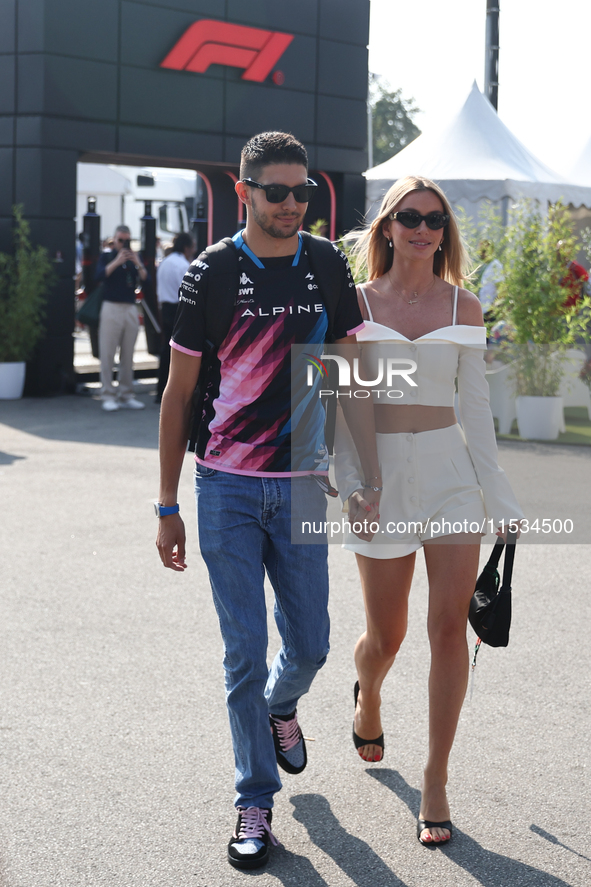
(26, 276)
(392, 120)
(533, 299)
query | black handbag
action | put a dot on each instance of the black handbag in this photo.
(90, 310)
(490, 607)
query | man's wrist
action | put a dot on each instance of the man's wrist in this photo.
(165, 510)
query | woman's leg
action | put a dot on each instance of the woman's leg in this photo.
(386, 586)
(452, 569)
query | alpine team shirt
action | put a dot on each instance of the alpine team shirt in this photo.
(251, 413)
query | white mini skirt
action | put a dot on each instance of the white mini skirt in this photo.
(430, 490)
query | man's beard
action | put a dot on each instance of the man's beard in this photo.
(268, 226)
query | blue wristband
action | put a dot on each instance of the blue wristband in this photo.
(164, 510)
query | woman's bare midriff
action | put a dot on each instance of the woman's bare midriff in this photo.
(411, 418)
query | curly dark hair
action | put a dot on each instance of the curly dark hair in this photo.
(270, 147)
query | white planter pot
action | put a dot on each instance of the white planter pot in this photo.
(12, 380)
(539, 418)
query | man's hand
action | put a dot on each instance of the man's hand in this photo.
(364, 509)
(170, 542)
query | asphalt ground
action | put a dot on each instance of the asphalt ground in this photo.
(115, 759)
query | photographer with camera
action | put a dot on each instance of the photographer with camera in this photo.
(118, 271)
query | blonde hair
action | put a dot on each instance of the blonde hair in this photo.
(451, 263)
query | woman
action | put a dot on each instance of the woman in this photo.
(439, 484)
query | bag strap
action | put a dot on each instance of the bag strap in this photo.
(496, 553)
(509, 558)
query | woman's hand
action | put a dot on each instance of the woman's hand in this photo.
(364, 512)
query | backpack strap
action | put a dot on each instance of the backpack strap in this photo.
(222, 288)
(329, 270)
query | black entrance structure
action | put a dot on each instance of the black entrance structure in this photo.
(86, 82)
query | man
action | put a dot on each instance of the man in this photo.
(247, 491)
(169, 275)
(119, 270)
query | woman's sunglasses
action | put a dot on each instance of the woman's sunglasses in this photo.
(279, 193)
(411, 219)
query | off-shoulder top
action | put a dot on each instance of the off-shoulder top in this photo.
(442, 356)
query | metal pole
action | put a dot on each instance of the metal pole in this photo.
(491, 62)
(90, 257)
(149, 286)
(369, 127)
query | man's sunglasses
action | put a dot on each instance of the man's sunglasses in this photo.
(279, 193)
(411, 219)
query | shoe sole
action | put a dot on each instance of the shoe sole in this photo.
(246, 863)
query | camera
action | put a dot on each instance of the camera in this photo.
(126, 244)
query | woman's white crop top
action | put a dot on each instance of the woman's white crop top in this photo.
(437, 355)
(441, 356)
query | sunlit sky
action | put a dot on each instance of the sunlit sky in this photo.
(434, 50)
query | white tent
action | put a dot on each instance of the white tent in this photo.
(475, 158)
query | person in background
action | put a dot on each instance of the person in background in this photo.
(169, 275)
(119, 270)
(490, 277)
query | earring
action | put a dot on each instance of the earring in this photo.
(390, 244)
(439, 247)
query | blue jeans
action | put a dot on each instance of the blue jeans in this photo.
(245, 528)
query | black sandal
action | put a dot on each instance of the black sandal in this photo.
(422, 824)
(358, 742)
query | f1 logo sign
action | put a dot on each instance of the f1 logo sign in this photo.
(208, 42)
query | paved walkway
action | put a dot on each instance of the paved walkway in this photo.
(115, 760)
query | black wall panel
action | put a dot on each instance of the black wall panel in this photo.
(170, 99)
(249, 110)
(342, 122)
(52, 132)
(7, 31)
(190, 146)
(7, 82)
(6, 130)
(6, 180)
(341, 158)
(347, 22)
(149, 32)
(199, 8)
(276, 16)
(342, 70)
(46, 182)
(66, 87)
(86, 30)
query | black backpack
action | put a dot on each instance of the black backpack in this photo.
(223, 283)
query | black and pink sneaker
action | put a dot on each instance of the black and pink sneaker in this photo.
(290, 746)
(249, 845)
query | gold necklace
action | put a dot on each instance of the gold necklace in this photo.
(417, 298)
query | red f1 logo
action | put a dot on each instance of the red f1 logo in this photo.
(208, 42)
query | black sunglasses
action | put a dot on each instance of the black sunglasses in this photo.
(412, 219)
(279, 193)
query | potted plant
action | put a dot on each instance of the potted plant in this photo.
(26, 275)
(535, 299)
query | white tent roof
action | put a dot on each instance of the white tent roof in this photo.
(477, 157)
